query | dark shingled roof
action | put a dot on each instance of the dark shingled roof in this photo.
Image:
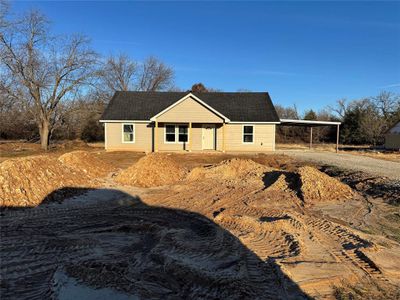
(240, 107)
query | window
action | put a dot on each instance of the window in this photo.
(170, 133)
(176, 133)
(183, 133)
(128, 133)
(248, 133)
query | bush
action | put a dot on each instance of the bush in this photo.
(93, 131)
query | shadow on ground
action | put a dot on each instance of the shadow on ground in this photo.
(109, 245)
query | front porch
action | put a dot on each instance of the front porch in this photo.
(188, 136)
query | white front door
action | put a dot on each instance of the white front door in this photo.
(208, 137)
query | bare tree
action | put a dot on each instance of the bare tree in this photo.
(119, 73)
(154, 75)
(4, 9)
(371, 124)
(44, 70)
(387, 103)
(341, 108)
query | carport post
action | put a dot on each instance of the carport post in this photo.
(310, 137)
(337, 138)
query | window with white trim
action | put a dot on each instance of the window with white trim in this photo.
(248, 134)
(183, 133)
(128, 133)
(175, 133)
(170, 133)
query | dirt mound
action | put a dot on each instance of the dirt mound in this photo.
(27, 181)
(276, 182)
(86, 162)
(317, 186)
(231, 169)
(154, 169)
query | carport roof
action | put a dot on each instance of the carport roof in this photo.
(307, 123)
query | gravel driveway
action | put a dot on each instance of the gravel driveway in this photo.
(350, 162)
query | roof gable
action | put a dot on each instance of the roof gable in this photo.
(187, 98)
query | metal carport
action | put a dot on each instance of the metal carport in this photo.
(311, 124)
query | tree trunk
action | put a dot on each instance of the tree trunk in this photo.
(44, 131)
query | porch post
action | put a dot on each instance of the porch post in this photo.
(190, 137)
(337, 138)
(310, 137)
(156, 137)
(223, 136)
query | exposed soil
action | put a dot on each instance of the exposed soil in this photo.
(317, 186)
(28, 181)
(235, 169)
(152, 170)
(369, 185)
(87, 163)
(244, 227)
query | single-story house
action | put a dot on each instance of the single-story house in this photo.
(186, 121)
(392, 137)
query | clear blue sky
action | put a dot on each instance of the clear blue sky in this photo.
(308, 53)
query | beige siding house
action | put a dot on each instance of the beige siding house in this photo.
(392, 137)
(172, 121)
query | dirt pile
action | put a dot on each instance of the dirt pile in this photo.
(276, 181)
(27, 181)
(86, 162)
(317, 186)
(154, 169)
(235, 169)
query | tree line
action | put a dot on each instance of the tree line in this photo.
(364, 121)
(56, 87)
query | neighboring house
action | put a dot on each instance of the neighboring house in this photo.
(178, 121)
(392, 137)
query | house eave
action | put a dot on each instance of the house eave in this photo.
(123, 121)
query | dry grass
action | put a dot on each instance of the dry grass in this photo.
(363, 150)
(14, 149)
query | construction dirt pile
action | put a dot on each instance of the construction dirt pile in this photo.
(317, 186)
(241, 183)
(28, 181)
(310, 184)
(232, 230)
(155, 169)
(234, 169)
(86, 162)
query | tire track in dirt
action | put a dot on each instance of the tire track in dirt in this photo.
(239, 235)
(348, 246)
(139, 250)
